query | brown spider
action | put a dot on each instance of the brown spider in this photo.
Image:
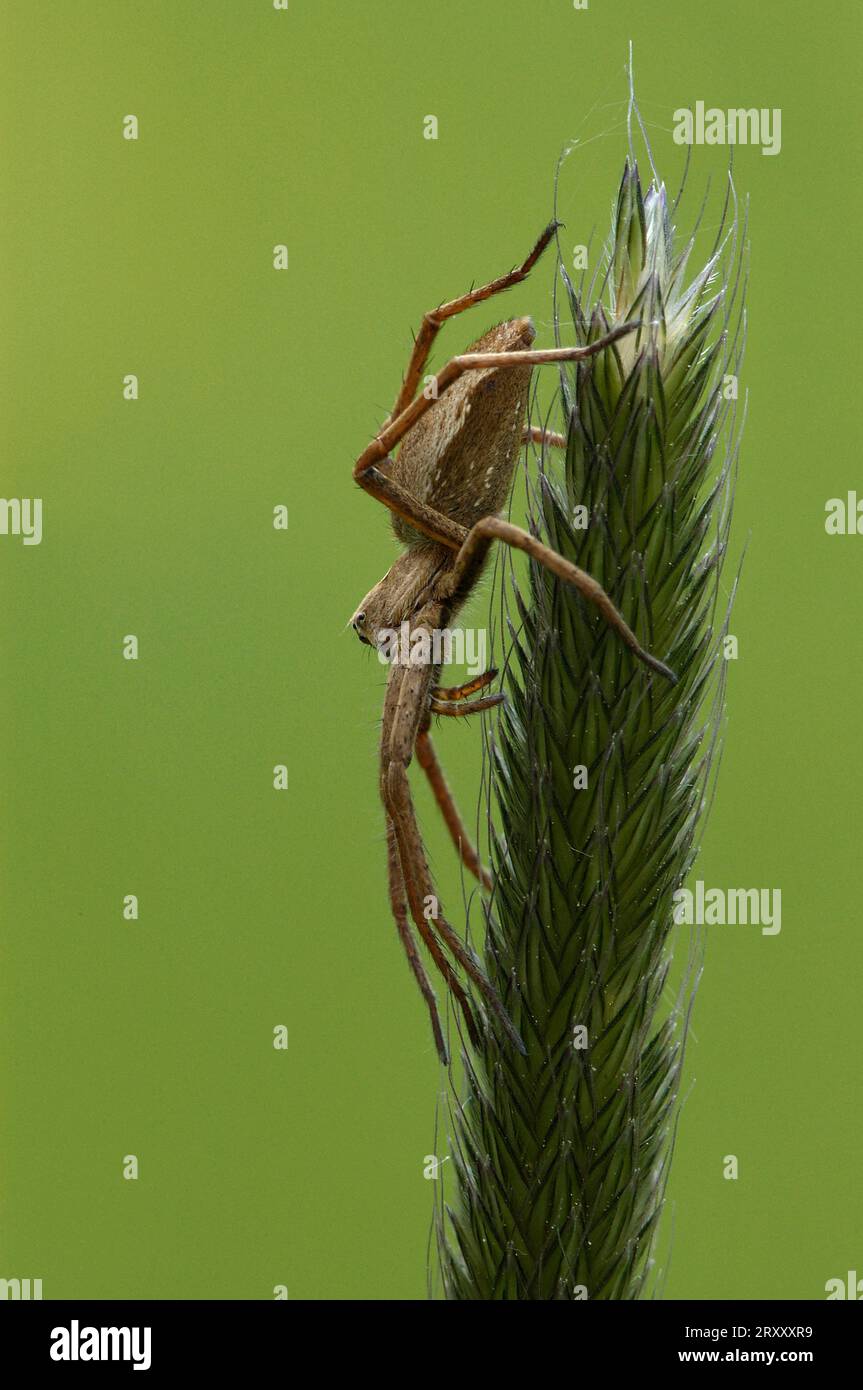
(451, 479)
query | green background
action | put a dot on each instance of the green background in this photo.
(259, 387)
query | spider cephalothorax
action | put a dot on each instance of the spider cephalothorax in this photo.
(460, 440)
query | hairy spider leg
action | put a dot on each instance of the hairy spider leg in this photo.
(535, 434)
(435, 319)
(470, 559)
(398, 904)
(428, 761)
(469, 706)
(460, 692)
(405, 704)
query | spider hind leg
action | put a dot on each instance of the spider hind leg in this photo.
(428, 761)
(400, 915)
(404, 706)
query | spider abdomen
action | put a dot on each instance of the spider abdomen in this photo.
(460, 456)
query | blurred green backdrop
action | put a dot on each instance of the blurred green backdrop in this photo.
(258, 908)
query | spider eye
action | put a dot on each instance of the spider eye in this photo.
(357, 623)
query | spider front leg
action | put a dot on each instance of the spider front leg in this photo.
(434, 321)
(404, 707)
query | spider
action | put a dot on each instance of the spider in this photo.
(460, 440)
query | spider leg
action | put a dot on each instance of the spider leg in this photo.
(378, 484)
(405, 703)
(435, 319)
(442, 697)
(397, 902)
(421, 889)
(428, 761)
(535, 434)
(469, 707)
(472, 554)
(399, 910)
(437, 954)
(458, 692)
(371, 468)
